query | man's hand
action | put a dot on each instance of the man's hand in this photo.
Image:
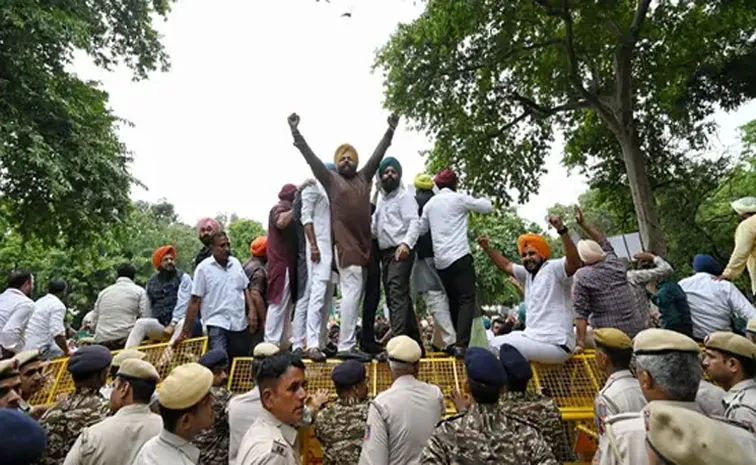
(645, 257)
(293, 121)
(579, 216)
(319, 399)
(483, 242)
(253, 321)
(184, 335)
(168, 331)
(461, 401)
(556, 222)
(393, 121)
(579, 348)
(402, 252)
(315, 255)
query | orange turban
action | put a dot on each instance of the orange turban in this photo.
(537, 242)
(258, 246)
(157, 257)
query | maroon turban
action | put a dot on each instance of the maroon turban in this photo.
(446, 178)
(287, 192)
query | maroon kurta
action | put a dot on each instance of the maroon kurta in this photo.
(282, 254)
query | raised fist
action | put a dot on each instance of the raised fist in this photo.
(556, 221)
(293, 121)
(393, 121)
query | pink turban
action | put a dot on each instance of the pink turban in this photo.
(205, 222)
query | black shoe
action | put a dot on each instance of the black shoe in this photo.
(315, 355)
(372, 348)
(330, 351)
(382, 357)
(354, 354)
(458, 352)
(298, 352)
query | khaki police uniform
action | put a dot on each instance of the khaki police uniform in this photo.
(401, 419)
(709, 398)
(185, 387)
(682, 437)
(626, 433)
(268, 442)
(740, 400)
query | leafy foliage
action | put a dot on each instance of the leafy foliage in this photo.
(629, 83)
(242, 232)
(62, 167)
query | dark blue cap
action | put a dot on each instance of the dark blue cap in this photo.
(89, 359)
(483, 368)
(214, 358)
(348, 373)
(515, 364)
(22, 439)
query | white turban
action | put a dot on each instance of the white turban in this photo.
(744, 205)
(590, 252)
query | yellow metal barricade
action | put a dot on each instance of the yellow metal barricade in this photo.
(59, 382)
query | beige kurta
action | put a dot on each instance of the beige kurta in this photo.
(744, 252)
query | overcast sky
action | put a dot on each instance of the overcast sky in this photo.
(211, 136)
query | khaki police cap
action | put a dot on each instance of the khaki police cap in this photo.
(612, 337)
(127, 354)
(684, 437)
(655, 341)
(8, 369)
(751, 327)
(185, 386)
(732, 343)
(27, 356)
(139, 369)
(265, 349)
(404, 349)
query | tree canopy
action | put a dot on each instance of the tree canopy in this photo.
(62, 166)
(630, 84)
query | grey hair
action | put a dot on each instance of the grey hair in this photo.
(678, 374)
(401, 366)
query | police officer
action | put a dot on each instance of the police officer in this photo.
(621, 392)
(84, 407)
(213, 442)
(117, 439)
(401, 419)
(186, 409)
(340, 426)
(678, 436)
(273, 435)
(669, 371)
(22, 440)
(10, 385)
(30, 366)
(484, 431)
(730, 360)
(115, 365)
(531, 407)
(244, 408)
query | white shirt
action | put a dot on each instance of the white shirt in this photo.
(15, 310)
(117, 309)
(269, 442)
(242, 411)
(316, 210)
(548, 303)
(222, 293)
(396, 220)
(713, 304)
(116, 440)
(165, 449)
(445, 216)
(47, 322)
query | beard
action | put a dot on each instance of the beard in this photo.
(390, 184)
(532, 266)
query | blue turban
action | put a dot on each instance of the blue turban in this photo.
(392, 162)
(707, 264)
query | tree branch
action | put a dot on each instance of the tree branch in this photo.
(537, 111)
(638, 19)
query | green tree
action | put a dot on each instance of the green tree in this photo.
(629, 84)
(62, 166)
(242, 231)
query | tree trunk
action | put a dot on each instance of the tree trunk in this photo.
(640, 188)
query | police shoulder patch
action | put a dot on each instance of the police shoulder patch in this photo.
(278, 449)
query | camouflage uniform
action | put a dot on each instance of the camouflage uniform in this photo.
(540, 411)
(484, 434)
(65, 420)
(340, 429)
(213, 442)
